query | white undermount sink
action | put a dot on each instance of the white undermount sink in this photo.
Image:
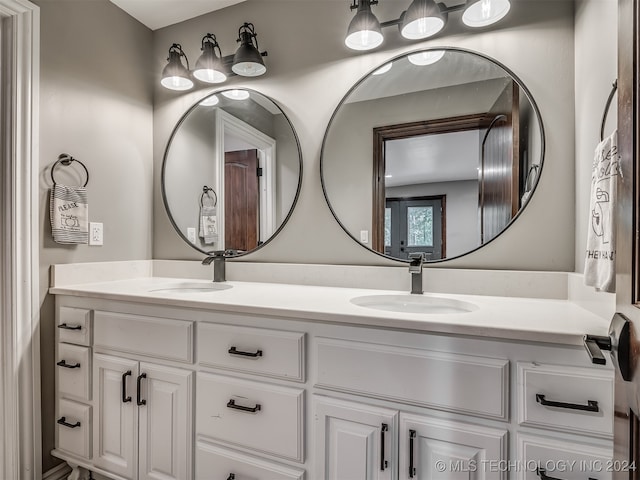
(191, 287)
(414, 304)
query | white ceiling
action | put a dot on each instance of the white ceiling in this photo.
(444, 157)
(157, 14)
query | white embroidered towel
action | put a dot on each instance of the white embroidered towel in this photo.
(69, 211)
(600, 261)
(208, 225)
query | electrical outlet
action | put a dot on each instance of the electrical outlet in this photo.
(95, 233)
(191, 234)
(364, 236)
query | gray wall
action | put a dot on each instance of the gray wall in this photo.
(95, 104)
(596, 63)
(463, 227)
(310, 70)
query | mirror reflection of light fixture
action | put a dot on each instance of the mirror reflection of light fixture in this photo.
(175, 76)
(364, 32)
(210, 101)
(248, 59)
(428, 57)
(211, 66)
(480, 13)
(236, 94)
(423, 19)
(383, 69)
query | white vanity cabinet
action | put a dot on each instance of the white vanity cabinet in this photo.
(191, 392)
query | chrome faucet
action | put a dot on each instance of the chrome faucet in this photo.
(218, 259)
(415, 269)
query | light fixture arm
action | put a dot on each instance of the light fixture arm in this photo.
(358, 4)
(176, 50)
(210, 39)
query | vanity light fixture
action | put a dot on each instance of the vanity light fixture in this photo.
(209, 67)
(175, 76)
(423, 19)
(212, 67)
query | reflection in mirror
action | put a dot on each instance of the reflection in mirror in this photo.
(436, 154)
(231, 172)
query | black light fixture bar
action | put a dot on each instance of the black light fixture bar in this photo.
(400, 19)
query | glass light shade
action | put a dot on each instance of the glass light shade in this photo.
(480, 13)
(209, 67)
(175, 76)
(429, 57)
(236, 94)
(364, 32)
(423, 19)
(210, 101)
(383, 69)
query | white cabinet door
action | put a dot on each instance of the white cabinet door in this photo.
(115, 417)
(354, 441)
(432, 449)
(165, 420)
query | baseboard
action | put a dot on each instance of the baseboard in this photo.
(59, 472)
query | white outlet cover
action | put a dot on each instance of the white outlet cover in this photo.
(96, 233)
(364, 236)
(191, 234)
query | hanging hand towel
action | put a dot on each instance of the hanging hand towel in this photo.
(208, 225)
(600, 261)
(69, 214)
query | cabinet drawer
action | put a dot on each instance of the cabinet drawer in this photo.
(73, 428)
(74, 325)
(74, 371)
(223, 413)
(561, 459)
(572, 388)
(271, 353)
(164, 338)
(217, 462)
(418, 377)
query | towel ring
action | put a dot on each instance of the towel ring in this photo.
(205, 191)
(606, 108)
(65, 159)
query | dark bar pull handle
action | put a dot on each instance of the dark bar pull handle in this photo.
(63, 421)
(140, 401)
(125, 398)
(594, 345)
(232, 404)
(591, 406)
(64, 326)
(63, 363)
(542, 473)
(412, 469)
(240, 353)
(232, 476)
(383, 463)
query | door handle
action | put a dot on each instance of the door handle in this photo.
(412, 437)
(63, 421)
(63, 363)
(542, 473)
(140, 401)
(232, 404)
(125, 398)
(64, 326)
(240, 353)
(383, 463)
(591, 406)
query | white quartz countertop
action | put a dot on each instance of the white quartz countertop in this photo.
(514, 318)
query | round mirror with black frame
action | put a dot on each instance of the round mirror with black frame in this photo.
(231, 173)
(435, 152)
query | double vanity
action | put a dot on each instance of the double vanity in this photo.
(164, 377)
